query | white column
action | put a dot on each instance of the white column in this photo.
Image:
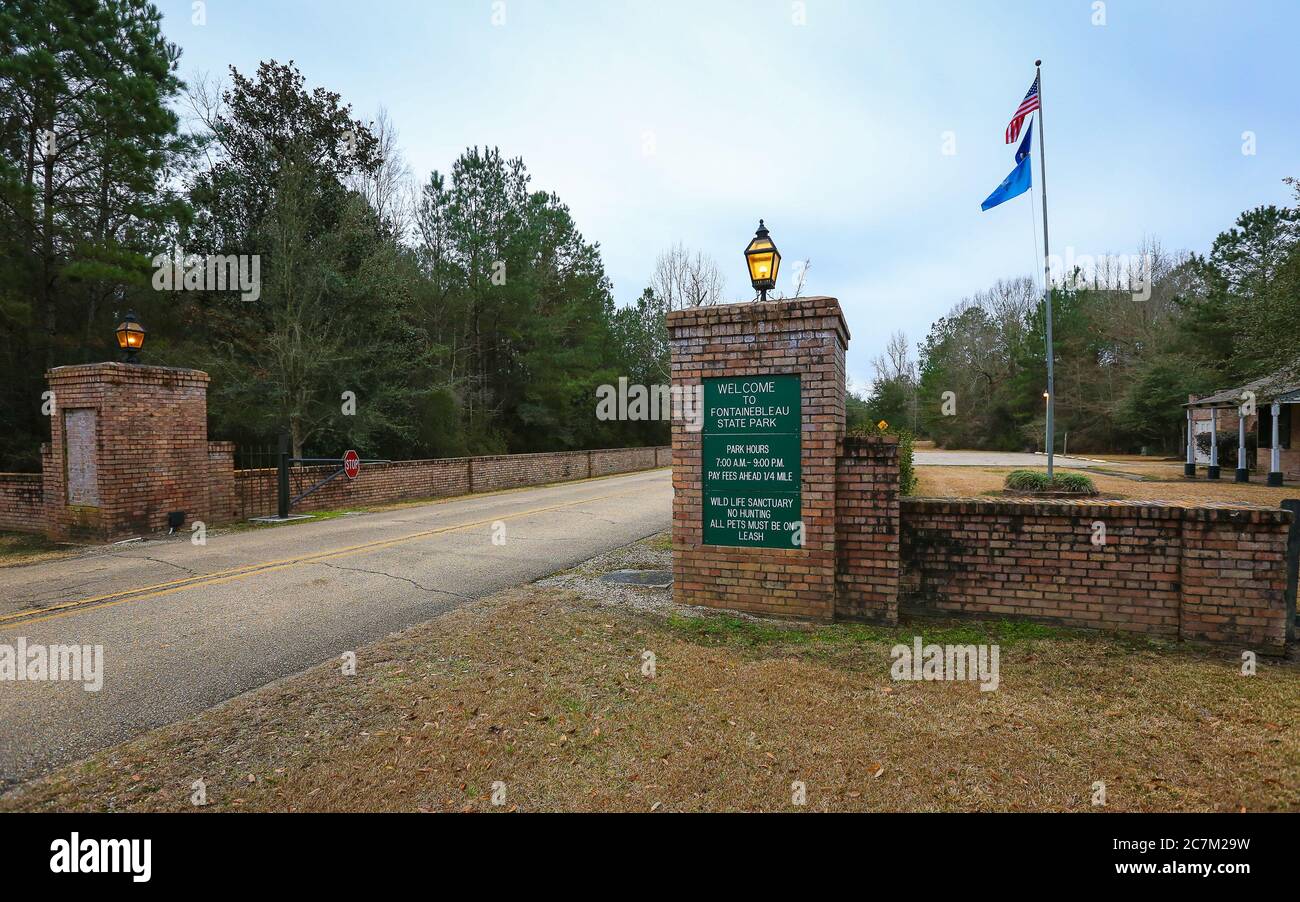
(1241, 440)
(1214, 436)
(1275, 460)
(1191, 439)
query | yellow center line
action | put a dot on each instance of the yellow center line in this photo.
(224, 576)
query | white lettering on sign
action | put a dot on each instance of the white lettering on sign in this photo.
(745, 388)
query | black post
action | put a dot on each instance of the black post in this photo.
(1292, 564)
(283, 480)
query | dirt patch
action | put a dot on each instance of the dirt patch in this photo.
(544, 691)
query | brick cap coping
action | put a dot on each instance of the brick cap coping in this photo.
(1151, 510)
(756, 311)
(125, 369)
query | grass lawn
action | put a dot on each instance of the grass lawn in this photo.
(1161, 481)
(542, 690)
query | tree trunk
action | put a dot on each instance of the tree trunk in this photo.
(48, 316)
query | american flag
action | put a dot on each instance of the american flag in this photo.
(1027, 106)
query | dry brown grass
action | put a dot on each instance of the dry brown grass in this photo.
(543, 691)
(969, 482)
(28, 548)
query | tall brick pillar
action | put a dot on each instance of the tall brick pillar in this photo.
(773, 376)
(128, 445)
(867, 538)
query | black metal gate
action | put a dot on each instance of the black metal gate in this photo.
(255, 484)
(270, 481)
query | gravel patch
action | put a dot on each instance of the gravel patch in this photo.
(653, 553)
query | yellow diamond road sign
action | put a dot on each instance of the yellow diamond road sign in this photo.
(882, 425)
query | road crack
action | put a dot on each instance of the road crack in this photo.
(405, 579)
(145, 557)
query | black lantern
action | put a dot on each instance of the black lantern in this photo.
(764, 260)
(130, 336)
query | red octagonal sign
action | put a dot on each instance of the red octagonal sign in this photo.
(351, 464)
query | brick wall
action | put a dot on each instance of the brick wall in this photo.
(1203, 573)
(509, 471)
(22, 502)
(806, 337)
(413, 479)
(866, 522)
(603, 462)
(129, 445)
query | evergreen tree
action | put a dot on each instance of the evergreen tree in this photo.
(87, 148)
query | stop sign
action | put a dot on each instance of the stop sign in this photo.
(351, 464)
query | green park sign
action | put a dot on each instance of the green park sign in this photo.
(752, 445)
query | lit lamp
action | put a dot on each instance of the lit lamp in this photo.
(763, 260)
(130, 336)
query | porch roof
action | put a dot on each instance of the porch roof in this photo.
(1282, 386)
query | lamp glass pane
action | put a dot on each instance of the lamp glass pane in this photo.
(760, 266)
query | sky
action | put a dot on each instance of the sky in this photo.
(866, 134)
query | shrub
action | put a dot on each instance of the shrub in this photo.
(1028, 481)
(1228, 447)
(1073, 482)
(1037, 481)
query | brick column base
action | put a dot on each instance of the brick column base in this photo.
(128, 445)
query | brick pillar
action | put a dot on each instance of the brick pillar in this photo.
(1233, 577)
(806, 337)
(221, 483)
(867, 541)
(128, 444)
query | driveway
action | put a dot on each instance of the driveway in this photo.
(184, 627)
(999, 459)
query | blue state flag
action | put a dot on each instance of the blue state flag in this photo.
(1014, 185)
(1018, 182)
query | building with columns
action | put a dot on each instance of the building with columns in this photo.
(1261, 413)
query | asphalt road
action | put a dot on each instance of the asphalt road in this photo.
(184, 627)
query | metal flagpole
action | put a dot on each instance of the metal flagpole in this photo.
(1047, 275)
